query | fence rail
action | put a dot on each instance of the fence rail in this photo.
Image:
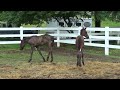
(106, 35)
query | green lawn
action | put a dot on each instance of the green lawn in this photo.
(108, 23)
(11, 55)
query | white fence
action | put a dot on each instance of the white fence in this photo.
(106, 35)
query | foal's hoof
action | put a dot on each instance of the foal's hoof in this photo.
(44, 60)
(79, 65)
(51, 61)
(29, 61)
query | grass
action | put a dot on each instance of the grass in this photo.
(11, 52)
(107, 23)
(110, 23)
(14, 65)
(9, 47)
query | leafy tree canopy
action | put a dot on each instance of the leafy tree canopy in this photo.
(38, 17)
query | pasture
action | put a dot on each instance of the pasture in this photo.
(14, 64)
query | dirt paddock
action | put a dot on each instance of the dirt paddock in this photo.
(96, 67)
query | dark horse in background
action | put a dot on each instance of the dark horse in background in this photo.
(80, 45)
(36, 42)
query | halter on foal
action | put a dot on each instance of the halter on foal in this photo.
(36, 42)
(80, 45)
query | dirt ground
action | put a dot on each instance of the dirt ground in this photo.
(96, 67)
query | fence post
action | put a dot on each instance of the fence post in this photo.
(21, 33)
(79, 31)
(58, 37)
(90, 34)
(106, 40)
(118, 35)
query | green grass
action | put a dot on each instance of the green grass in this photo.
(110, 23)
(107, 23)
(94, 50)
(9, 47)
(11, 55)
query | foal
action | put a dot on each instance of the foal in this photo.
(36, 42)
(80, 45)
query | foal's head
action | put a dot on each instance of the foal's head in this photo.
(22, 44)
(84, 33)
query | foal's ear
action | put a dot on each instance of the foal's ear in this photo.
(84, 28)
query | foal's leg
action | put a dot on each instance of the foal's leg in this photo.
(50, 52)
(83, 59)
(51, 56)
(38, 48)
(80, 61)
(48, 55)
(32, 48)
(79, 58)
(77, 61)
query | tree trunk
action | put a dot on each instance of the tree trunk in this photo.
(97, 21)
(18, 25)
(97, 24)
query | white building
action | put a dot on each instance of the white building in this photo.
(84, 22)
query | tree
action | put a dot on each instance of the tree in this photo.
(35, 17)
(99, 16)
(114, 15)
